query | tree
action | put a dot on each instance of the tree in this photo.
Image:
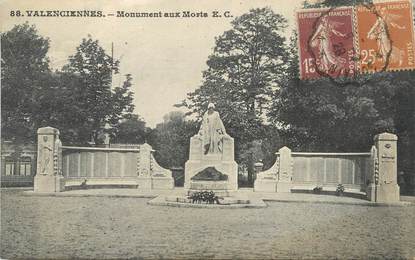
(403, 107)
(24, 72)
(325, 116)
(245, 68)
(78, 100)
(131, 130)
(171, 139)
(96, 104)
(121, 101)
(319, 115)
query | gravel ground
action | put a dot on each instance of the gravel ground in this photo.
(103, 227)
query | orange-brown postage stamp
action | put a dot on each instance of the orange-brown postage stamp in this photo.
(386, 36)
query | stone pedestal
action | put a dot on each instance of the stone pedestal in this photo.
(144, 183)
(159, 183)
(383, 185)
(163, 183)
(222, 162)
(284, 186)
(47, 183)
(219, 187)
(383, 193)
(49, 176)
(265, 185)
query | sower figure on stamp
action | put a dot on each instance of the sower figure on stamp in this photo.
(212, 131)
(322, 39)
(379, 32)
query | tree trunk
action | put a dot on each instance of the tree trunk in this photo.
(251, 171)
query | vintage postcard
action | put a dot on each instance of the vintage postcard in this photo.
(207, 129)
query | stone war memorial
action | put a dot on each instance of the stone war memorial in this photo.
(211, 168)
(255, 129)
(211, 164)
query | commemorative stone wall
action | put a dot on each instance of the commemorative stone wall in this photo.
(374, 172)
(66, 166)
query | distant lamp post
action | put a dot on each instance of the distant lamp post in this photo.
(258, 166)
(107, 138)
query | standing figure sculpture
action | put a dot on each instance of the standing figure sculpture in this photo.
(212, 131)
(45, 154)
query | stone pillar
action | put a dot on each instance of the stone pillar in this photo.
(49, 176)
(384, 186)
(144, 167)
(285, 172)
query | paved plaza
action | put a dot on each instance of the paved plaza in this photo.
(125, 227)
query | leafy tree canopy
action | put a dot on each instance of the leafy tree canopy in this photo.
(24, 72)
(78, 100)
(171, 139)
(131, 130)
(319, 115)
(96, 102)
(245, 68)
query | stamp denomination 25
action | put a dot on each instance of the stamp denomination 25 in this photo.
(386, 36)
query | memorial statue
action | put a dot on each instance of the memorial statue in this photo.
(212, 131)
(211, 164)
(45, 154)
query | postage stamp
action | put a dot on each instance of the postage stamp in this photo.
(386, 36)
(326, 42)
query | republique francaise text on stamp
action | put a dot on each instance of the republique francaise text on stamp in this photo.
(344, 41)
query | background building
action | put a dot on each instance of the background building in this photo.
(18, 164)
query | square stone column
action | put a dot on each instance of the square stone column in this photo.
(384, 186)
(49, 176)
(143, 171)
(285, 173)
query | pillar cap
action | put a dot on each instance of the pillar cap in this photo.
(386, 137)
(47, 131)
(146, 146)
(284, 149)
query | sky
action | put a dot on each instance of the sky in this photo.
(165, 56)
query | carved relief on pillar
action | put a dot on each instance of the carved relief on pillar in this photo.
(45, 153)
(49, 176)
(57, 157)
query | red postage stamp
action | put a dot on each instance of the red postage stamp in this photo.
(386, 36)
(326, 42)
